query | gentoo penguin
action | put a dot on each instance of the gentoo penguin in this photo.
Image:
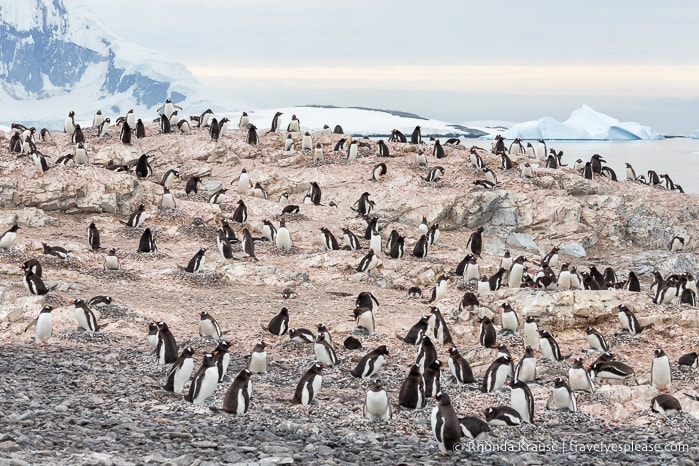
(309, 385)
(503, 416)
(434, 175)
(459, 366)
(152, 336)
(33, 266)
(85, 317)
(426, 354)
(100, 300)
(294, 125)
(279, 323)
(169, 177)
(168, 108)
(496, 375)
(196, 263)
(289, 143)
(241, 212)
(93, 237)
(111, 261)
(237, 398)
(439, 327)
(472, 270)
(364, 318)
(439, 290)
(324, 351)
(214, 129)
(208, 326)
(689, 359)
(549, 346)
(431, 377)
(244, 120)
(7, 240)
(476, 242)
(541, 150)
(283, 238)
(397, 136)
(412, 391)
(56, 251)
(180, 372)
(218, 196)
(417, 331)
(396, 246)
(222, 359)
(531, 333)
(676, 244)
(433, 234)
(205, 118)
(80, 155)
(474, 428)
(69, 124)
(275, 122)
(605, 367)
(329, 240)
(416, 136)
(628, 320)
(665, 404)
(375, 241)
(445, 424)
(166, 348)
(368, 262)
(509, 319)
(184, 126)
(167, 202)
(252, 138)
(522, 400)
(306, 142)
(371, 363)
(353, 150)
(514, 277)
(143, 168)
(660, 372)
(438, 150)
(77, 137)
(383, 149)
(205, 381)
(247, 244)
(579, 379)
(630, 173)
(526, 367)
(364, 205)
(258, 191)
(379, 170)
(562, 396)
(595, 340)
(97, 119)
(125, 133)
(192, 185)
(475, 159)
(318, 155)
(351, 343)
(137, 217)
(506, 261)
(301, 335)
(530, 151)
(244, 182)
(377, 406)
(44, 326)
(223, 245)
(140, 129)
(257, 364)
(340, 145)
(421, 247)
(487, 335)
(490, 177)
(351, 240)
(147, 242)
(420, 159)
(551, 259)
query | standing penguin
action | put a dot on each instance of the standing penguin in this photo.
(531, 333)
(365, 320)
(205, 381)
(44, 326)
(371, 363)
(431, 377)
(237, 398)
(247, 244)
(152, 337)
(368, 262)
(514, 278)
(383, 149)
(364, 205)
(252, 137)
(137, 217)
(377, 405)
(143, 168)
(439, 327)
(421, 247)
(166, 348)
(595, 340)
(279, 323)
(85, 317)
(561, 397)
(579, 379)
(7, 240)
(140, 129)
(445, 424)
(496, 375)
(257, 364)
(676, 244)
(147, 242)
(351, 240)
(416, 136)
(69, 124)
(244, 120)
(196, 263)
(224, 246)
(93, 237)
(275, 122)
(509, 318)
(315, 193)
(168, 200)
(269, 231)
(222, 359)
(440, 289)
(309, 385)
(324, 351)
(417, 331)
(34, 284)
(660, 372)
(487, 335)
(412, 391)
(329, 240)
(125, 134)
(522, 400)
(526, 368)
(628, 320)
(180, 372)
(460, 368)
(549, 346)
(476, 242)
(283, 239)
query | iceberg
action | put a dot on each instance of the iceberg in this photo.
(695, 134)
(583, 123)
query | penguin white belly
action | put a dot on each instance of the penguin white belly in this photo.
(322, 354)
(509, 321)
(376, 405)
(8, 239)
(561, 399)
(518, 401)
(514, 280)
(182, 376)
(594, 343)
(527, 370)
(44, 326)
(547, 349)
(243, 184)
(661, 377)
(283, 239)
(531, 336)
(366, 320)
(153, 340)
(208, 385)
(208, 329)
(564, 282)
(578, 380)
(375, 243)
(80, 157)
(501, 377)
(168, 202)
(258, 362)
(240, 405)
(317, 383)
(82, 319)
(472, 273)
(306, 143)
(225, 360)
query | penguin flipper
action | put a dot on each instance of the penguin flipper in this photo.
(32, 323)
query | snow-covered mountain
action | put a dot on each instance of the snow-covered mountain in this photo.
(57, 56)
(584, 123)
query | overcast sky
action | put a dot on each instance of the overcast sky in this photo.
(452, 60)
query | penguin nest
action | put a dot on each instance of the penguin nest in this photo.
(199, 197)
(87, 337)
(70, 262)
(114, 312)
(55, 300)
(295, 217)
(13, 255)
(145, 256)
(170, 214)
(203, 278)
(113, 274)
(204, 232)
(131, 232)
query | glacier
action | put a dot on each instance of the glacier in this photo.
(583, 124)
(57, 56)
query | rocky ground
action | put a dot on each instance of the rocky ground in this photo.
(96, 399)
